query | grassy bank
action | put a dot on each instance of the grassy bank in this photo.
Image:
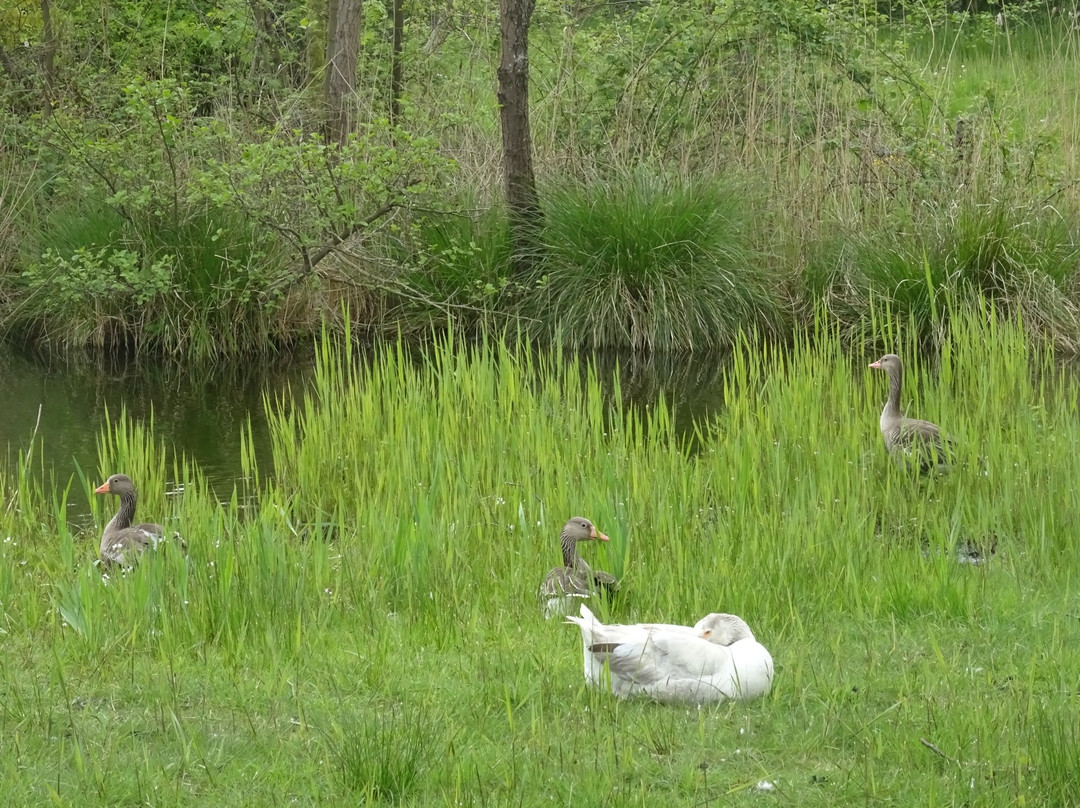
(698, 179)
(368, 633)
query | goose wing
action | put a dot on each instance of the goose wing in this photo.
(124, 546)
(922, 442)
(564, 581)
(664, 655)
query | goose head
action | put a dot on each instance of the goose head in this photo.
(118, 484)
(581, 529)
(723, 629)
(890, 363)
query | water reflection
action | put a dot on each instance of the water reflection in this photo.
(200, 412)
(691, 385)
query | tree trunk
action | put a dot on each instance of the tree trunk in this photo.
(522, 202)
(440, 27)
(47, 58)
(343, 55)
(395, 63)
(266, 55)
(315, 41)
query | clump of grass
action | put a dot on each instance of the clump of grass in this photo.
(1055, 752)
(650, 264)
(381, 759)
(1020, 260)
(462, 259)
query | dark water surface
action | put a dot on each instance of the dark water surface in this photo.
(200, 413)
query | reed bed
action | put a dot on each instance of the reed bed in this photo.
(368, 632)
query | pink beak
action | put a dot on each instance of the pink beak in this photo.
(596, 534)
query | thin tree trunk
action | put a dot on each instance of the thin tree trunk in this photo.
(522, 202)
(395, 63)
(315, 41)
(47, 58)
(440, 27)
(343, 55)
(266, 56)
(106, 52)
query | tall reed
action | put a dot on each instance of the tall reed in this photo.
(368, 629)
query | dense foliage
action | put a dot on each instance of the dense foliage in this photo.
(705, 168)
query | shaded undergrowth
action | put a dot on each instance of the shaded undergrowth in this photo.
(793, 159)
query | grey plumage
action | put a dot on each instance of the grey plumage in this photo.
(910, 441)
(575, 580)
(122, 543)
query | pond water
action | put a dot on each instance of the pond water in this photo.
(200, 412)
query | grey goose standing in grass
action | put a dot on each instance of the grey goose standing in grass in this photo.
(717, 659)
(910, 441)
(122, 542)
(575, 580)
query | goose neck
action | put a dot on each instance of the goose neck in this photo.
(892, 403)
(125, 514)
(570, 555)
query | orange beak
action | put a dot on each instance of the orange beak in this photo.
(102, 489)
(596, 534)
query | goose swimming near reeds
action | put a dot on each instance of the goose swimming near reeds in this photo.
(717, 659)
(575, 580)
(123, 543)
(911, 442)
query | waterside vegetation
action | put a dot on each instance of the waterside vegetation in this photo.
(366, 629)
(705, 169)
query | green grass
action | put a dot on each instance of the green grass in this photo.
(1021, 259)
(368, 632)
(650, 264)
(197, 287)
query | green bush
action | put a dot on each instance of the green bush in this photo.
(1018, 258)
(650, 264)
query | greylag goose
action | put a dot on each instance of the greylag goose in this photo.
(910, 441)
(122, 543)
(717, 659)
(575, 579)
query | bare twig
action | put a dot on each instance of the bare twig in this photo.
(937, 751)
(33, 436)
(311, 260)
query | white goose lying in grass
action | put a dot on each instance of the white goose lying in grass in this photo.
(715, 660)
